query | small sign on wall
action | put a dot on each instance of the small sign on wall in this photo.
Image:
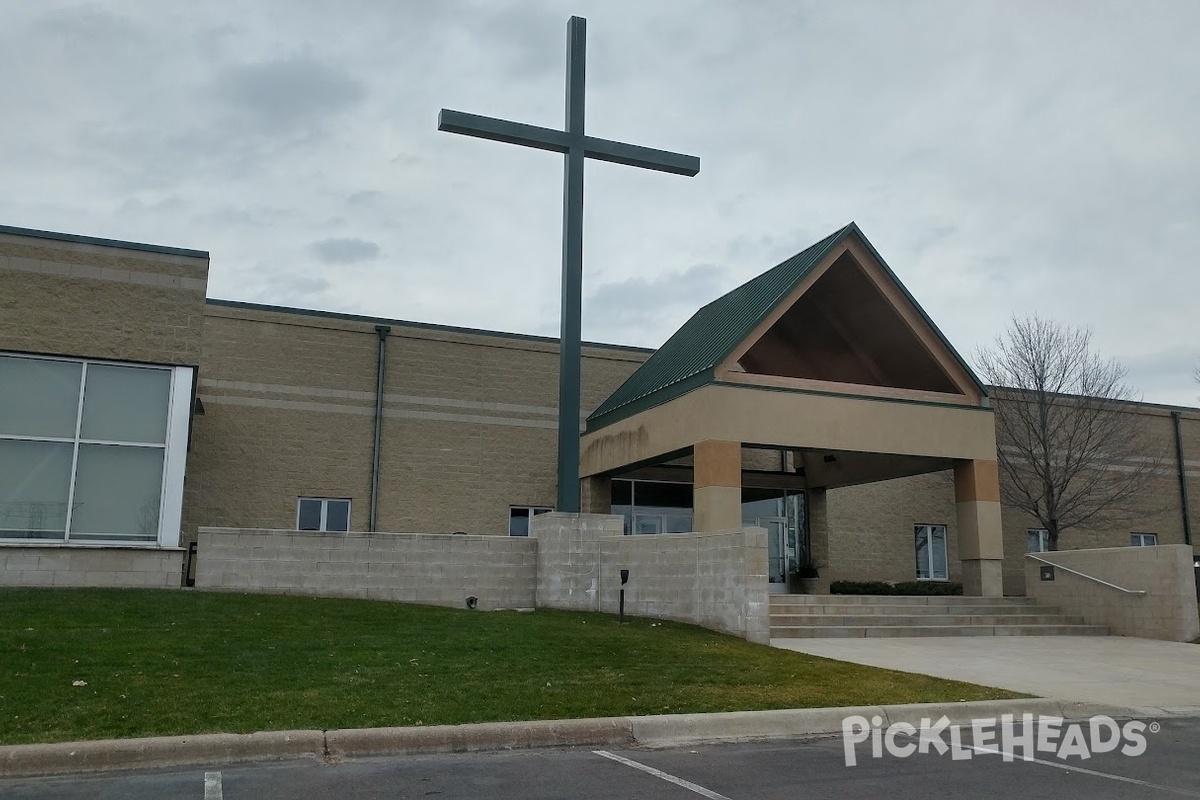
(1047, 573)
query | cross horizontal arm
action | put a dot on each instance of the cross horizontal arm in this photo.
(645, 157)
(502, 130)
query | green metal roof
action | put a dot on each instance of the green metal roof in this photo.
(689, 358)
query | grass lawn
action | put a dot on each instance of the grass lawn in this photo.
(175, 662)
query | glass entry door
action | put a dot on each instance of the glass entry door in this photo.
(776, 551)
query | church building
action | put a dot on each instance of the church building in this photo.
(817, 402)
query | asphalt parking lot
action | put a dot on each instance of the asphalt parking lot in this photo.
(814, 768)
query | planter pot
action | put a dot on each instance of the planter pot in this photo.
(803, 585)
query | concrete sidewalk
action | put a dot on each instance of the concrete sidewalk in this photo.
(1140, 674)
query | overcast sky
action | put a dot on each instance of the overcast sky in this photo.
(1002, 156)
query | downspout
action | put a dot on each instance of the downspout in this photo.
(1183, 487)
(382, 331)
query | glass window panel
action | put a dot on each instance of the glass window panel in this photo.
(1037, 541)
(666, 495)
(125, 404)
(758, 503)
(518, 522)
(647, 525)
(309, 518)
(679, 523)
(337, 515)
(939, 553)
(626, 512)
(922, 539)
(38, 397)
(117, 492)
(35, 479)
(776, 572)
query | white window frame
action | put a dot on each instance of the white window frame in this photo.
(930, 526)
(1142, 539)
(174, 447)
(325, 501)
(530, 513)
(1043, 540)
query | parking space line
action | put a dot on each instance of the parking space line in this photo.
(212, 786)
(658, 773)
(1085, 771)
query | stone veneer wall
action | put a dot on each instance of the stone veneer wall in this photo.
(436, 569)
(1167, 610)
(122, 567)
(718, 580)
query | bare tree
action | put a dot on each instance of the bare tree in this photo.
(1068, 454)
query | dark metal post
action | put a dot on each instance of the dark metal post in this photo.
(624, 580)
(572, 274)
(382, 332)
(1183, 487)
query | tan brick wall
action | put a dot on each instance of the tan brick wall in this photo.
(1165, 610)
(871, 527)
(121, 567)
(435, 569)
(76, 299)
(469, 421)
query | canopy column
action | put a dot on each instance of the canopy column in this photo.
(980, 536)
(717, 489)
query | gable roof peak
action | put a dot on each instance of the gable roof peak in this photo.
(690, 357)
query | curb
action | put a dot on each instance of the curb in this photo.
(666, 730)
(157, 751)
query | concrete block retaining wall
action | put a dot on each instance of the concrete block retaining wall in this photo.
(570, 561)
(718, 580)
(121, 567)
(437, 569)
(1167, 610)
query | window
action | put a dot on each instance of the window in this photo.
(323, 514)
(931, 552)
(519, 516)
(1037, 540)
(92, 452)
(1143, 539)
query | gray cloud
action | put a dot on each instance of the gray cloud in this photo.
(283, 94)
(344, 251)
(629, 309)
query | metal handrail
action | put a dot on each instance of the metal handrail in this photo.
(1139, 592)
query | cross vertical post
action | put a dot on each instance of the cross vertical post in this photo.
(570, 349)
(575, 146)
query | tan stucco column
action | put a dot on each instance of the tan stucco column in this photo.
(595, 495)
(980, 537)
(717, 489)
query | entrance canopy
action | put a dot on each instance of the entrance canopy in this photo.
(829, 357)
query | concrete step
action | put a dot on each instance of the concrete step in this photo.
(877, 631)
(1044, 617)
(900, 609)
(886, 599)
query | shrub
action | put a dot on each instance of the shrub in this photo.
(924, 588)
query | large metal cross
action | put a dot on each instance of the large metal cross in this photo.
(576, 146)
